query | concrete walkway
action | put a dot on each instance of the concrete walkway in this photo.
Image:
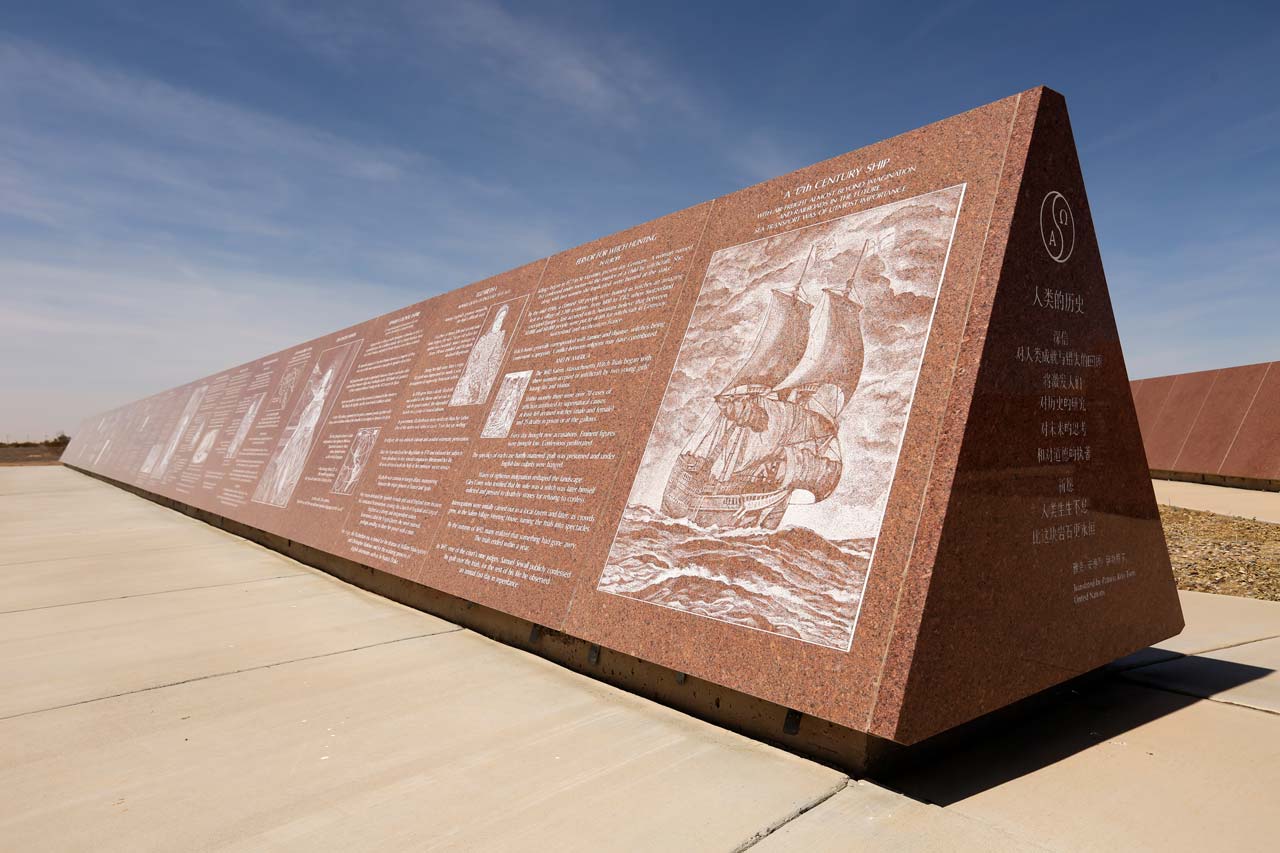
(168, 686)
(1245, 503)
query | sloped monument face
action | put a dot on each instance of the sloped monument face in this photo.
(858, 441)
(1219, 426)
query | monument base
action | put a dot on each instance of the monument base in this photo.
(856, 753)
(1258, 484)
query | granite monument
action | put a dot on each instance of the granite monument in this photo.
(858, 440)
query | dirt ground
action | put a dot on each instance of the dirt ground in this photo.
(39, 454)
(1223, 554)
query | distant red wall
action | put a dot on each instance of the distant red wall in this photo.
(1219, 424)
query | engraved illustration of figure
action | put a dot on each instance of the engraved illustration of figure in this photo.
(278, 481)
(356, 459)
(482, 364)
(152, 456)
(242, 432)
(281, 395)
(505, 404)
(188, 412)
(204, 447)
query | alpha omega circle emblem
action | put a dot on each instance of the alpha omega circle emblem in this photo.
(1057, 226)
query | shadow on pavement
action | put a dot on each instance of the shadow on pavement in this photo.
(1044, 730)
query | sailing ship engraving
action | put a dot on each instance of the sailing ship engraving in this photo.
(775, 433)
(764, 483)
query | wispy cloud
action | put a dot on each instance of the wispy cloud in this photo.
(610, 78)
(98, 151)
(31, 76)
(95, 153)
(1203, 305)
(105, 328)
(151, 233)
(760, 156)
(1170, 110)
(603, 75)
(275, 168)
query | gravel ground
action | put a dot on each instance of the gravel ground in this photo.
(1223, 554)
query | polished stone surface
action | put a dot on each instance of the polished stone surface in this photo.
(1219, 419)
(1216, 423)
(1255, 451)
(1181, 411)
(857, 440)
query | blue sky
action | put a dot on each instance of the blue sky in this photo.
(187, 186)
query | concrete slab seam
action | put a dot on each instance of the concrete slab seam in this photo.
(126, 551)
(231, 672)
(1203, 698)
(776, 825)
(156, 592)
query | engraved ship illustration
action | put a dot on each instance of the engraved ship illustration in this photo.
(776, 429)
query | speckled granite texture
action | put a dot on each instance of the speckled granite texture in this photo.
(858, 440)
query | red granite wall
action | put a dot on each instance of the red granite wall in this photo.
(855, 441)
(1219, 426)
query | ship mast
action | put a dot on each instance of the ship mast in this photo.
(853, 276)
(779, 347)
(798, 292)
(825, 377)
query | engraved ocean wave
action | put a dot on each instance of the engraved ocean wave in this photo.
(789, 581)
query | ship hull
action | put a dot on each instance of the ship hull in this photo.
(686, 497)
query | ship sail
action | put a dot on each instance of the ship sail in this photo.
(786, 424)
(779, 346)
(798, 424)
(805, 470)
(776, 430)
(834, 354)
